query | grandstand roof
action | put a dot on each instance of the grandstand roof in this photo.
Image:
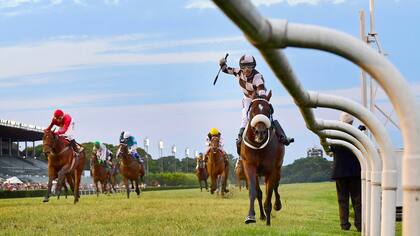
(19, 132)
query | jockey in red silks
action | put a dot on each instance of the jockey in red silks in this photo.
(66, 126)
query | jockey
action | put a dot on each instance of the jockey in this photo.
(66, 127)
(250, 81)
(198, 159)
(131, 142)
(102, 153)
(215, 133)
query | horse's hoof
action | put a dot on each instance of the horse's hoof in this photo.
(46, 200)
(277, 206)
(250, 219)
(226, 190)
(262, 217)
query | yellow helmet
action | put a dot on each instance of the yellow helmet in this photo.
(214, 131)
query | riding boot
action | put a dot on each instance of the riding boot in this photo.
(281, 135)
(239, 140)
(74, 146)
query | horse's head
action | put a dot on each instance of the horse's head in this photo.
(215, 143)
(122, 151)
(49, 141)
(94, 157)
(260, 112)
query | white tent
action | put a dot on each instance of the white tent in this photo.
(13, 180)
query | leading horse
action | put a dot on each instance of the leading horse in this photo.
(100, 174)
(262, 154)
(63, 162)
(130, 169)
(217, 168)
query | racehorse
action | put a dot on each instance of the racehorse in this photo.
(217, 169)
(63, 162)
(115, 170)
(99, 174)
(240, 175)
(262, 155)
(201, 174)
(130, 169)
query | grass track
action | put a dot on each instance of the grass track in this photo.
(308, 209)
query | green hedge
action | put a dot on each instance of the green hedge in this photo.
(171, 179)
(23, 193)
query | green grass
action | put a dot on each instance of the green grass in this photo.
(308, 209)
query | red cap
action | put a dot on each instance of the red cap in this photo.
(58, 113)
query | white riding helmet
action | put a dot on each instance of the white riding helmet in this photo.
(126, 134)
(247, 60)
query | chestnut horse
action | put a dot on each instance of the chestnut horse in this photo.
(130, 169)
(99, 174)
(262, 155)
(217, 169)
(62, 163)
(240, 175)
(201, 174)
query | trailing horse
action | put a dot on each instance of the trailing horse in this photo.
(201, 174)
(262, 154)
(100, 174)
(63, 162)
(240, 175)
(130, 169)
(217, 167)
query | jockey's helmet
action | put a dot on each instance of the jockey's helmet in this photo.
(58, 113)
(97, 144)
(214, 131)
(247, 61)
(126, 134)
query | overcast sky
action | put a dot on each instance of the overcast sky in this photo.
(148, 66)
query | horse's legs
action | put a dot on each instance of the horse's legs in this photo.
(207, 187)
(47, 197)
(277, 204)
(137, 187)
(97, 188)
(213, 184)
(60, 181)
(259, 198)
(250, 172)
(127, 187)
(269, 186)
(239, 183)
(77, 176)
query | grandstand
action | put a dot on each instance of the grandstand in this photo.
(14, 162)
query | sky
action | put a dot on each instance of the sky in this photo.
(148, 66)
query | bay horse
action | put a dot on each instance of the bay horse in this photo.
(217, 169)
(130, 169)
(240, 174)
(262, 155)
(62, 163)
(99, 174)
(201, 174)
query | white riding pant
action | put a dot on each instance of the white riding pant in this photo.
(246, 102)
